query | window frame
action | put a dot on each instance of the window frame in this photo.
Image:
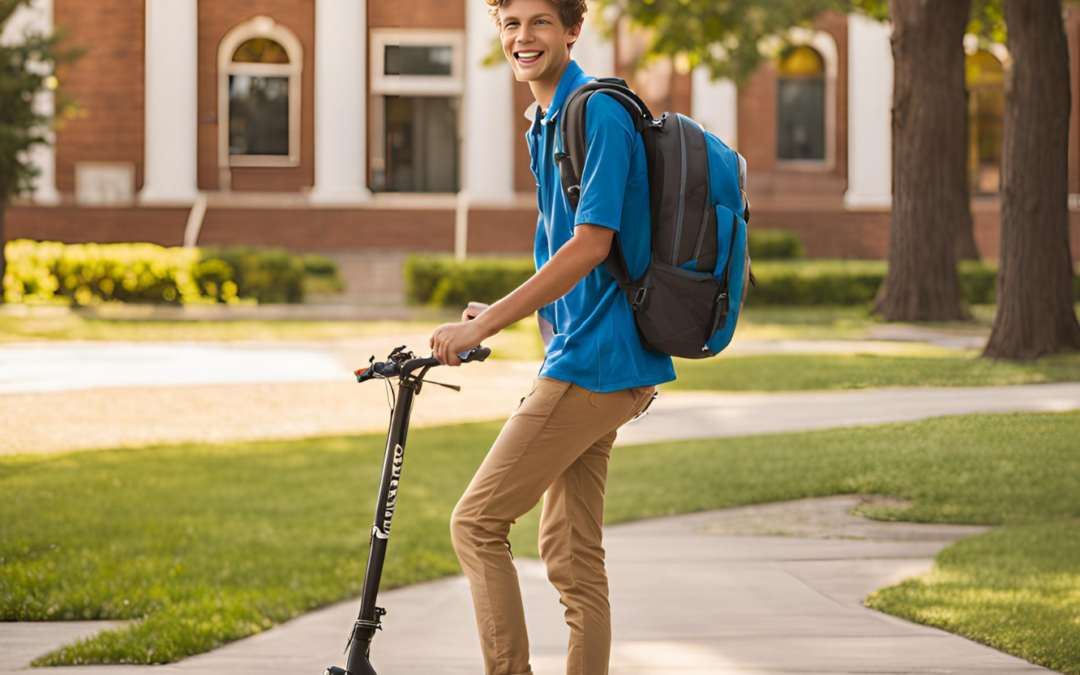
(434, 86)
(260, 27)
(825, 45)
(417, 85)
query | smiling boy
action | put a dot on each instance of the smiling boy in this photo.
(596, 374)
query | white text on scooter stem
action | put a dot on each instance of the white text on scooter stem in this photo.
(395, 476)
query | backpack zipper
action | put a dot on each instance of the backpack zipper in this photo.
(704, 225)
(682, 191)
(720, 312)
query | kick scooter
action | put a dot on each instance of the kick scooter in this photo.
(400, 364)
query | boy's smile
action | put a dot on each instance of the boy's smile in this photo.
(536, 44)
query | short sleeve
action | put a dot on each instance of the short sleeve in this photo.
(610, 136)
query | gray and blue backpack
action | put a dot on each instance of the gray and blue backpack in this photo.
(687, 302)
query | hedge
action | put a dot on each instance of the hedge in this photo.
(775, 245)
(440, 281)
(84, 274)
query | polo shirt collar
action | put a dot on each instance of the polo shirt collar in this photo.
(572, 78)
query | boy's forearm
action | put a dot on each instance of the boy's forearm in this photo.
(555, 279)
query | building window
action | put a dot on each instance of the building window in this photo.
(986, 112)
(801, 105)
(417, 85)
(260, 65)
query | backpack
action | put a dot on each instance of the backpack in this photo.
(687, 302)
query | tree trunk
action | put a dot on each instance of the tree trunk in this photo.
(1035, 313)
(930, 191)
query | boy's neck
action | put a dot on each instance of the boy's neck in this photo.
(544, 90)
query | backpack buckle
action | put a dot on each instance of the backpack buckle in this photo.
(639, 298)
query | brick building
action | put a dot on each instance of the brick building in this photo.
(348, 126)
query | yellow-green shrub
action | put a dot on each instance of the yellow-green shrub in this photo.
(85, 274)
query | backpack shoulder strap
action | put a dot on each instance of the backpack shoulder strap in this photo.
(571, 157)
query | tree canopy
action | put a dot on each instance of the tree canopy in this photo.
(28, 65)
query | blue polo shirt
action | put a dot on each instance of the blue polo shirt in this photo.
(595, 343)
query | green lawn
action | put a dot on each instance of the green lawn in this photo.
(766, 323)
(206, 544)
(74, 327)
(919, 366)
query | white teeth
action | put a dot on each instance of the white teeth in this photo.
(528, 55)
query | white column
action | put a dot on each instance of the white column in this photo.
(172, 63)
(714, 105)
(340, 112)
(489, 114)
(593, 52)
(38, 18)
(870, 85)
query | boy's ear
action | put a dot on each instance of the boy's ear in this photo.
(575, 33)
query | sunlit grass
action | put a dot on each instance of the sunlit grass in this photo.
(201, 545)
(919, 366)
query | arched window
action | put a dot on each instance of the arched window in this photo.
(800, 102)
(986, 111)
(260, 64)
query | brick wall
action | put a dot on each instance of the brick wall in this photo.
(107, 83)
(75, 225)
(502, 230)
(418, 14)
(216, 18)
(321, 229)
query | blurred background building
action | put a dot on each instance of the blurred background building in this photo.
(368, 130)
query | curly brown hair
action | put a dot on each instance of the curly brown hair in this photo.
(571, 12)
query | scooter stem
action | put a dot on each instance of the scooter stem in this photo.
(359, 645)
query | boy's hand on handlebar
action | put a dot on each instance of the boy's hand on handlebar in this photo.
(474, 310)
(451, 339)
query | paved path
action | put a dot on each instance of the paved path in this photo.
(698, 594)
(72, 366)
(243, 412)
(683, 415)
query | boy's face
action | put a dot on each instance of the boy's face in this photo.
(534, 39)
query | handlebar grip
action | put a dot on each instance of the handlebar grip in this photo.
(478, 353)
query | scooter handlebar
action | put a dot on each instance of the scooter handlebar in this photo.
(394, 369)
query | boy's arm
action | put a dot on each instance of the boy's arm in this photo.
(610, 135)
(576, 258)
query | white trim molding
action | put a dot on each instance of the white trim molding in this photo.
(340, 110)
(259, 27)
(870, 94)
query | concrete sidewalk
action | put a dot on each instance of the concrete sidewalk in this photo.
(262, 411)
(682, 415)
(698, 594)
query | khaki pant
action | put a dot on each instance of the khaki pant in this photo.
(558, 440)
